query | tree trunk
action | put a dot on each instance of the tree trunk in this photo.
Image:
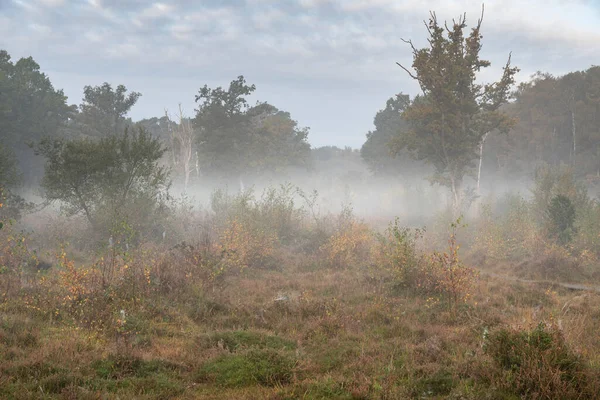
(455, 188)
(480, 162)
(573, 129)
(186, 173)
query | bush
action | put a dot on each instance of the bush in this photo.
(242, 245)
(274, 212)
(445, 274)
(537, 364)
(561, 218)
(396, 252)
(348, 247)
(507, 230)
(263, 367)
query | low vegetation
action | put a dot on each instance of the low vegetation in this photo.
(244, 311)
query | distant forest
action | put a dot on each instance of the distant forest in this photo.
(554, 120)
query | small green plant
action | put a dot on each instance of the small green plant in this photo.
(256, 367)
(445, 273)
(396, 252)
(537, 363)
(561, 219)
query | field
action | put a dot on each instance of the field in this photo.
(265, 299)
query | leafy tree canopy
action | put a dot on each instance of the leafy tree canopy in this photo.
(104, 176)
(104, 109)
(235, 138)
(455, 112)
(376, 150)
(30, 107)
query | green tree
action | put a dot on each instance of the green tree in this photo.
(451, 119)
(30, 108)
(222, 126)
(276, 140)
(235, 139)
(106, 177)
(376, 149)
(11, 204)
(104, 109)
(561, 218)
(558, 123)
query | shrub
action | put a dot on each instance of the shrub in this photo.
(274, 212)
(242, 245)
(263, 367)
(537, 364)
(444, 273)
(507, 231)
(396, 252)
(553, 181)
(15, 257)
(561, 218)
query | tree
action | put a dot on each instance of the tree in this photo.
(106, 176)
(450, 120)
(30, 108)
(104, 110)
(235, 139)
(561, 219)
(11, 204)
(376, 150)
(182, 144)
(222, 127)
(276, 141)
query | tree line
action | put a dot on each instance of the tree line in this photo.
(455, 130)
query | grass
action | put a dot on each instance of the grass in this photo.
(344, 338)
(308, 329)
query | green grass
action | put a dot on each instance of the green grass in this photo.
(255, 367)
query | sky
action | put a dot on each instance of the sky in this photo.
(330, 63)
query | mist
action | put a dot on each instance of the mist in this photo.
(299, 200)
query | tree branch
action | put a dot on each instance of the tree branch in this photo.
(407, 71)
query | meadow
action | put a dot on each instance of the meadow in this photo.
(263, 296)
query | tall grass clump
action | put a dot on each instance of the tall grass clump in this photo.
(538, 364)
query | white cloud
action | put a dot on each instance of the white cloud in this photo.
(52, 3)
(157, 10)
(320, 45)
(265, 20)
(40, 29)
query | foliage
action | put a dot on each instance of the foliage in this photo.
(349, 247)
(376, 151)
(351, 243)
(262, 367)
(110, 177)
(445, 273)
(242, 246)
(449, 121)
(561, 215)
(507, 230)
(550, 182)
(11, 204)
(104, 109)
(557, 124)
(537, 363)
(396, 252)
(30, 107)
(17, 261)
(236, 139)
(275, 211)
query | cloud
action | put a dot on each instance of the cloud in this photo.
(314, 47)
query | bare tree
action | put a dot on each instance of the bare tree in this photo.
(182, 143)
